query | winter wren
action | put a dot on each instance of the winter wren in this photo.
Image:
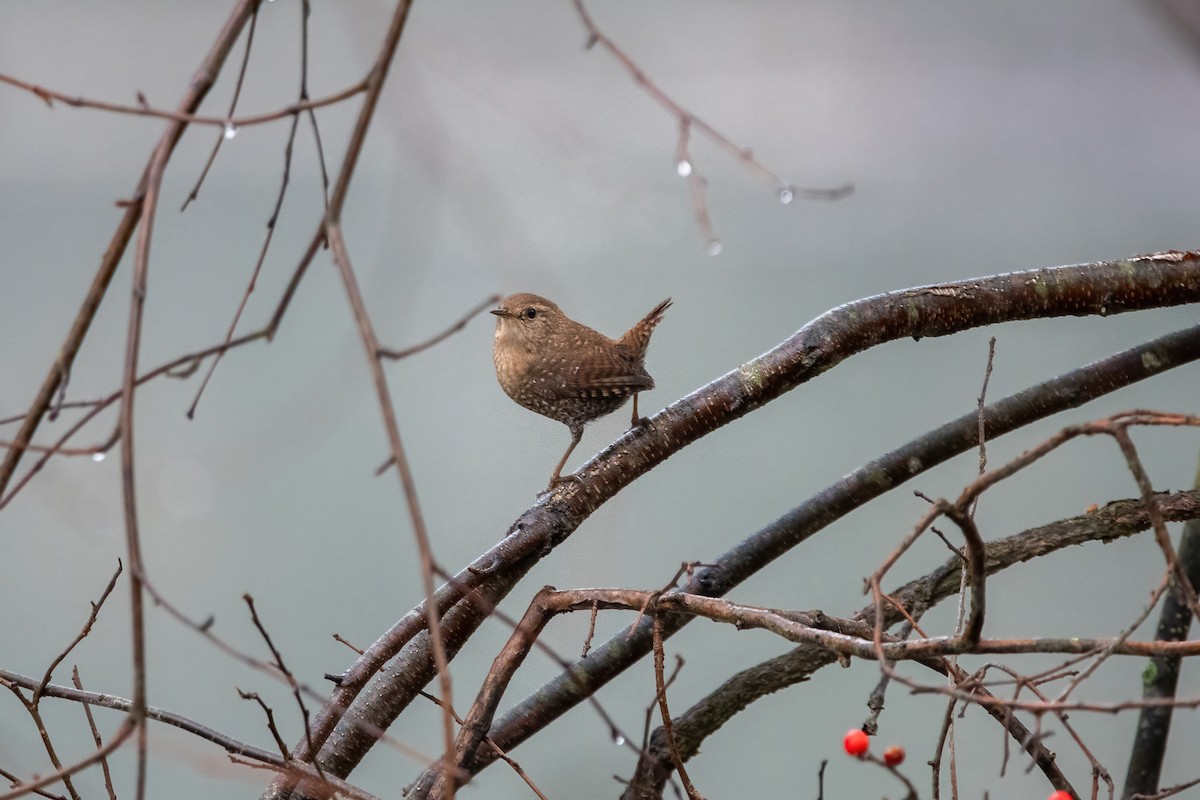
(551, 364)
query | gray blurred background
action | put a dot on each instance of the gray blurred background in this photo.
(505, 157)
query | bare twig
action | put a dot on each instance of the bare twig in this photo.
(686, 120)
(87, 628)
(668, 729)
(186, 117)
(16, 783)
(237, 93)
(198, 87)
(425, 345)
(287, 674)
(124, 732)
(47, 743)
(87, 711)
(226, 742)
(284, 182)
(270, 715)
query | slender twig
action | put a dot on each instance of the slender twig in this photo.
(668, 728)
(425, 345)
(87, 628)
(269, 713)
(331, 232)
(124, 732)
(16, 783)
(237, 93)
(87, 711)
(277, 658)
(686, 120)
(100, 405)
(202, 80)
(228, 743)
(284, 182)
(521, 773)
(39, 724)
(185, 117)
(1168, 792)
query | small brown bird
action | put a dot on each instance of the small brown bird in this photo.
(551, 364)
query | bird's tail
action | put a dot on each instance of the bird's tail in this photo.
(638, 337)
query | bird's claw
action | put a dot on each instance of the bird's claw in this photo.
(558, 480)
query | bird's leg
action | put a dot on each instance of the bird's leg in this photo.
(637, 421)
(556, 478)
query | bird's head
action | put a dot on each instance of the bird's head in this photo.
(525, 317)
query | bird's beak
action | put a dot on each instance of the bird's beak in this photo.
(500, 312)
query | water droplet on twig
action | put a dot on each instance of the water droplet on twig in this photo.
(786, 195)
(714, 247)
(683, 167)
(99, 456)
(230, 130)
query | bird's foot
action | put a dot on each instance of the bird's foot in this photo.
(642, 422)
(558, 480)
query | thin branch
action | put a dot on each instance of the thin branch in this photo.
(269, 713)
(277, 657)
(237, 93)
(284, 182)
(455, 328)
(16, 783)
(186, 117)
(44, 734)
(668, 730)
(124, 732)
(98, 406)
(521, 773)
(686, 120)
(87, 711)
(87, 628)
(224, 741)
(202, 80)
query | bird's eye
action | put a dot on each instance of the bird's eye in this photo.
(529, 313)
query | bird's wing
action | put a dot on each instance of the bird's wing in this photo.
(594, 373)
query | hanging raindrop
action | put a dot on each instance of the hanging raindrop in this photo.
(683, 167)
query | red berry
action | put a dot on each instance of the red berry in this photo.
(856, 742)
(1061, 795)
(894, 756)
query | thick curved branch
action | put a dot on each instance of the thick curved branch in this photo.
(1067, 391)
(1163, 279)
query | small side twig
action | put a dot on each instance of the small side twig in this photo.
(786, 191)
(665, 712)
(288, 676)
(455, 328)
(99, 740)
(87, 628)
